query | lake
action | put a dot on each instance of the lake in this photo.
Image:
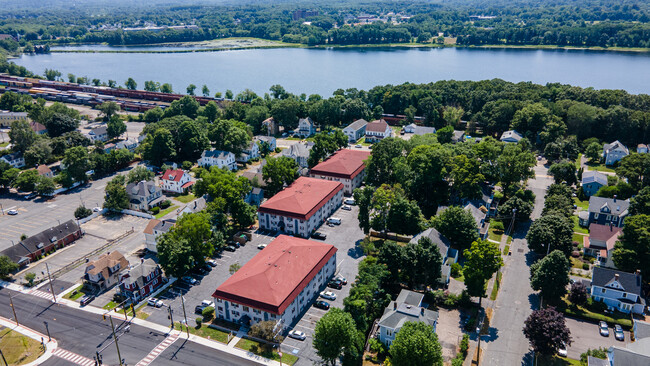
(321, 71)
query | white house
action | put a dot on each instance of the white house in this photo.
(406, 308)
(177, 181)
(270, 140)
(618, 290)
(614, 152)
(129, 144)
(355, 130)
(144, 195)
(306, 127)
(98, 134)
(511, 136)
(278, 284)
(251, 152)
(302, 207)
(15, 159)
(642, 148)
(221, 159)
(154, 229)
(378, 130)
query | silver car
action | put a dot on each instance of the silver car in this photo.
(296, 334)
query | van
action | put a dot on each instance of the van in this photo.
(334, 220)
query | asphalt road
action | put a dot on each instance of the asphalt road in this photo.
(84, 334)
(505, 344)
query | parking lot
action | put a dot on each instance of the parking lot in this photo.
(345, 237)
(585, 335)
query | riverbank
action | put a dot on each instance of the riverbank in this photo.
(567, 48)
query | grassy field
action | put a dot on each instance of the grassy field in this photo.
(576, 226)
(110, 306)
(74, 294)
(495, 288)
(256, 348)
(557, 361)
(599, 167)
(584, 205)
(495, 234)
(578, 237)
(185, 198)
(506, 249)
(166, 211)
(206, 332)
(17, 348)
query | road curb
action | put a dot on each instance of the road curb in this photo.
(50, 346)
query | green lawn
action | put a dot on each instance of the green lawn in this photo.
(578, 160)
(110, 306)
(495, 234)
(557, 361)
(18, 349)
(584, 205)
(495, 288)
(205, 332)
(576, 226)
(362, 142)
(578, 237)
(74, 294)
(262, 350)
(506, 249)
(185, 198)
(599, 167)
(166, 211)
(509, 239)
(3, 144)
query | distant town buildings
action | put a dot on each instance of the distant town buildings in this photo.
(7, 117)
(15, 159)
(300, 14)
(511, 136)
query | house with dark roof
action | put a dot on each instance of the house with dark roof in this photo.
(614, 152)
(176, 181)
(104, 272)
(255, 196)
(355, 130)
(15, 159)
(278, 284)
(299, 152)
(346, 166)
(49, 240)
(457, 136)
(592, 181)
(153, 230)
(251, 152)
(195, 206)
(448, 254)
(98, 134)
(378, 130)
(144, 195)
(600, 243)
(269, 140)
(140, 280)
(618, 290)
(302, 207)
(218, 158)
(306, 127)
(272, 127)
(406, 308)
(605, 211)
(511, 136)
(479, 213)
(129, 144)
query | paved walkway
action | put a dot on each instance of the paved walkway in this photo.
(242, 332)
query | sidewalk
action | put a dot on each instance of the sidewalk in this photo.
(50, 346)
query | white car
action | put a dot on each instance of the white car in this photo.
(349, 201)
(211, 262)
(296, 334)
(261, 246)
(12, 212)
(562, 352)
(155, 302)
(329, 295)
(97, 209)
(346, 208)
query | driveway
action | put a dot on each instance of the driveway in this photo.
(585, 335)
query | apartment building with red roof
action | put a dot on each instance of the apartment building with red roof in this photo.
(278, 284)
(346, 166)
(302, 207)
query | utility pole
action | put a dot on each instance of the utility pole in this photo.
(48, 332)
(115, 338)
(50, 278)
(11, 301)
(171, 317)
(187, 326)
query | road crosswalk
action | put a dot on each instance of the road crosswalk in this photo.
(168, 341)
(73, 357)
(42, 294)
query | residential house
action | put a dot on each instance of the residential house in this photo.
(378, 130)
(176, 181)
(98, 134)
(418, 130)
(255, 196)
(642, 149)
(458, 136)
(479, 213)
(299, 152)
(49, 240)
(614, 152)
(109, 147)
(154, 229)
(407, 307)
(14, 159)
(618, 290)
(355, 130)
(144, 195)
(306, 127)
(592, 181)
(8, 117)
(600, 243)
(140, 281)
(251, 152)
(272, 127)
(129, 144)
(448, 254)
(38, 128)
(254, 174)
(346, 166)
(218, 158)
(104, 272)
(44, 171)
(604, 211)
(635, 353)
(269, 140)
(195, 206)
(511, 136)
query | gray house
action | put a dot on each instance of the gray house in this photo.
(299, 152)
(619, 290)
(448, 254)
(355, 130)
(144, 195)
(605, 211)
(592, 181)
(614, 152)
(406, 308)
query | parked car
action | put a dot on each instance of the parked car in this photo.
(603, 329)
(211, 262)
(30, 196)
(329, 295)
(319, 235)
(261, 246)
(87, 299)
(618, 333)
(97, 209)
(230, 248)
(562, 352)
(335, 284)
(322, 305)
(349, 201)
(155, 302)
(12, 212)
(341, 279)
(296, 334)
(358, 146)
(191, 280)
(204, 304)
(346, 208)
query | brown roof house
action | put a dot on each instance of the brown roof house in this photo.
(600, 243)
(104, 272)
(141, 280)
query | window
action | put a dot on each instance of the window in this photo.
(624, 294)
(236, 306)
(220, 308)
(596, 216)
(245, 308)
(602, 290)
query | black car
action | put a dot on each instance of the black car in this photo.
(336, 284)
(230, 248)
(322, 305)
(87, 299)
(319, 235)
(207, 267)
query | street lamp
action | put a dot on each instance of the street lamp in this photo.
(49, 339)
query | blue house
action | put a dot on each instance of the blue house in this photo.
(592, 181)
(606, 211)
(255, 197)
(618, 290)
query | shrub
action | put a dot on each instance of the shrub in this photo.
(187, 165)
(578, 294)
(456, 270)
(166, 203)
(82, 212)
(575, 254)
(457, 362)
(498, 195)
(596, 306)
(155, 210)
(451, 301)
(376, 346)
(464, 345)
(464, 300)
(597, 353)
(585, 266)
(497, 225)
(575, 243)
(199, 321)
(30, 277)
(208, 312)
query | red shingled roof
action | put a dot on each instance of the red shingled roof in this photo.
(276, 275)
(173, 175)
(302, 198)
(605, 233)
(344, 163)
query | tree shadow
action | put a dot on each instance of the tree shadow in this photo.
(491, 336)
(533, 300)
(356, 252)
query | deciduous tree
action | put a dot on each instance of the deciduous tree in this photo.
(279, 172)
(551, 230)
(482, 260)
(334, 335)
(21, 135)
(138, 174)
(76, 163)
(546, 331)
(550, 276)
(633, 250)
(457, 225)
(416, 344)
(116, 196)
(115, 127)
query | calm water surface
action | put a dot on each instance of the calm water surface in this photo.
(322, 71)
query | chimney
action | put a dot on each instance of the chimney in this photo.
(421, 311)
(611, 227)
(614, 198)
(394, 305)
(616, 276)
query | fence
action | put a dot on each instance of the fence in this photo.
(138, 214)
(92, 216)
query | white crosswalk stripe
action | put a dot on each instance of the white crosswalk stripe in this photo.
(73, 357)
(159, 349)
(42, 294)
